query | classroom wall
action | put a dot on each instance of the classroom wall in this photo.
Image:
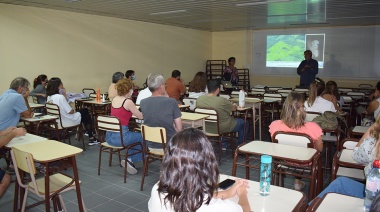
(240, 45)
(85, 50)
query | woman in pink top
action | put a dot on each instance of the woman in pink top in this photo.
(123, 108)
(293, 120)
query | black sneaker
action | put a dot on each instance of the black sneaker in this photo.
(93, 141)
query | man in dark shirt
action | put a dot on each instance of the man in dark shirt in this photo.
(307, 70)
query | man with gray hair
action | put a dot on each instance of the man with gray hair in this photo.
(14, 103)
(159, 110)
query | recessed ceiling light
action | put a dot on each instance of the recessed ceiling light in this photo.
(168, 12)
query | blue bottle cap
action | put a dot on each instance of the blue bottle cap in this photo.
(266, 159)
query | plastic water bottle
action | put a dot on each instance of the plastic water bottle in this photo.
(372, 187)
(265, 174)
(241, 98)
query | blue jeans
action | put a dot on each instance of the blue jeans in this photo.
(239, 128)
(129, 137)
(346, 186)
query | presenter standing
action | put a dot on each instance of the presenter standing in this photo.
(307, 70)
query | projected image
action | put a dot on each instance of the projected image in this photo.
(287, 50)
(316, 43)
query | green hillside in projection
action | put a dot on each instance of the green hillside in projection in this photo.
(285, 47)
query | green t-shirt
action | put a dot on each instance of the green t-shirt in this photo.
(224, 108)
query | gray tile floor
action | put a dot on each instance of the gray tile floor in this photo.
(108, 192)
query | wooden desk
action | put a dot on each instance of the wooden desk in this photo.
(27, 139)
(339, 202)
(194, 119)
(255, 104)
(36, 121)
(358, 130)
(48, 151)
(283, 156)
(280, 199)
(35, 105)
(344, 165)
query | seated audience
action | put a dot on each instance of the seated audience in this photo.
(39, 90)
(123, 108)
(315, 103)
(68, 116)
(227, 123)
(374, 106)
(189, 178)
(331, 93)
(143, 94)
(293, 120)
(366, 151)
(130, 74)
(5, 137)
(112, 92)
(159, 110)
(14, 103)
(175, 87)
(198, 86)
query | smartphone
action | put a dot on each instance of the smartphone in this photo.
(225, 184)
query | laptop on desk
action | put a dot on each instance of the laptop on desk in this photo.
(227, 84)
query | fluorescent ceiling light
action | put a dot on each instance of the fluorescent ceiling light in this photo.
(168, 12)
(260, 2)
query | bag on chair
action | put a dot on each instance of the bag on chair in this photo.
(328, 120)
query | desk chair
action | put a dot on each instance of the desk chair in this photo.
(272, 104)
(156, 135)
(192, 102)
(59, 183)
(88, 91)
(112, 124)
(212, 128)
(63, 131)
(340, 167)
(301, 140)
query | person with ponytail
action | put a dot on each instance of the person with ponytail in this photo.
(39, 88)
(315, 102)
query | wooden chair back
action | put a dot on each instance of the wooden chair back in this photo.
(293, 139)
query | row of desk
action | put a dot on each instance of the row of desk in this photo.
(45, 152)
(286, 199)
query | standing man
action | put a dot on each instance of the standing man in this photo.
(159, 110)
(227, 123)
(14, 103)
(175, 87)
(307, 70)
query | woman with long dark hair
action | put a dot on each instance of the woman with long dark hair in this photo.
(331, 93)
(68, 116)
(39, 85)
(374, 106)
(198, 86)
(189, 178)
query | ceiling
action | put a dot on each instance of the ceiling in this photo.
(226, 15)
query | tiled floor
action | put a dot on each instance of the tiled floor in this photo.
(107, 192)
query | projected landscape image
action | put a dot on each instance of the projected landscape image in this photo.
(285, 50)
